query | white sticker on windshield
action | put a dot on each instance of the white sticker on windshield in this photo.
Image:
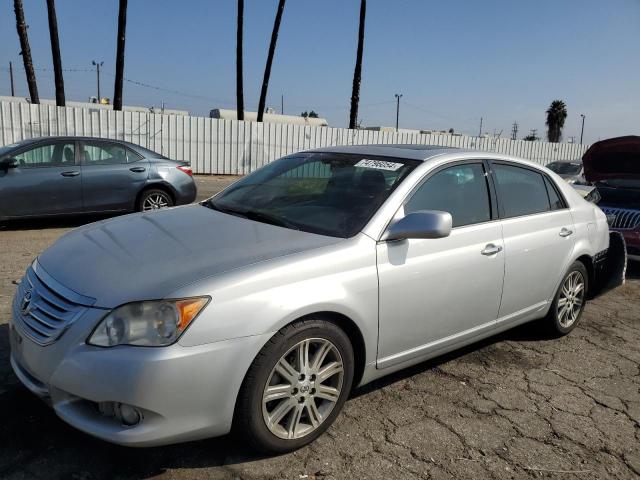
(378, 164)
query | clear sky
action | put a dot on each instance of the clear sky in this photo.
(454, 61)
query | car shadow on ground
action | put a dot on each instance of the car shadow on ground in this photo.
(32, 434)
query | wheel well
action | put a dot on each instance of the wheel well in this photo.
(354, 334)
(587, 261)
(155, 186)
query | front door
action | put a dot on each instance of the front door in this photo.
(46, 181)
(436, 291)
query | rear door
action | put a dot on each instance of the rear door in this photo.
(46, 181)
(538, 237)
(112, 175)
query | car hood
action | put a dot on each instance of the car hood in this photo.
(614, 166)
(149, 255)
(613, 159)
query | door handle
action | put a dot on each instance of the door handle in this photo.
(72, 173)
(137, 169)
(565, 232)
(491, 249)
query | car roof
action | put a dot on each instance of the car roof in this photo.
(407, 151)
(28, 141)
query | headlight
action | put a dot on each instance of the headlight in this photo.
(149, 324)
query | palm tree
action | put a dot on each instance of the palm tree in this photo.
(556, 115)
(272, 51)
(55, 53)
(239, 87)
(21, 25)
(357, 73)
(122, 27)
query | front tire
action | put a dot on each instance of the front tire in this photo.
(568, 304)
(296, 386)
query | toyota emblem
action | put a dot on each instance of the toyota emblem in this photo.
(25, 305)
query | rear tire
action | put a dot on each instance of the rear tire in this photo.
(568, 304)
(154, 199)
(296, 387)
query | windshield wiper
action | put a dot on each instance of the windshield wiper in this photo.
(214, 206)
(268, 218)
(252, 215)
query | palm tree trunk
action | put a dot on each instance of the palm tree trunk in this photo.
(55, 53)
(122, 27)
(267, 68)
(239, 86)
(357, 73)
(26, 51)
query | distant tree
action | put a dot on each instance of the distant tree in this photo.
(310, 114)
(55, 53)
(357, 72)
(270, 55)
(531, 138)
(122, 28)
(21, 26)
(451, 131)
(556, 115)
(239, 86)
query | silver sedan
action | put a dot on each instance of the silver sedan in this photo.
(261, 308)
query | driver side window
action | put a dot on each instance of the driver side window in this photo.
(460, 190)
(54, 154)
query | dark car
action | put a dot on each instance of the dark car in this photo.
(74, 175)
(613, 166)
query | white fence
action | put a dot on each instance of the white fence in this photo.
(232, 147)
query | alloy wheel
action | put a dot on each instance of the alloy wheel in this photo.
(571, 299)
(303, 388)
(155, 201)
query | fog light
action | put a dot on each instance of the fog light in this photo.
(127, 414)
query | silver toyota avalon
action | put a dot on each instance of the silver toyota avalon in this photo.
(261, 308)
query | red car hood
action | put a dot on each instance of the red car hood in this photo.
(614, 158)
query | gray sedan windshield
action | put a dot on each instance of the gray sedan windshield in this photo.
(325, 193)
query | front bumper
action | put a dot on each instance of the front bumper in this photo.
(182, 393)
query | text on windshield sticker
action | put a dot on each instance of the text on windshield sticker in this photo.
(378, 164)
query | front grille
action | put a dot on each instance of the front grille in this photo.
(623, 219)
(42, 313)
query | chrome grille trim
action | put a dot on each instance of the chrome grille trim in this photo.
(625, 219)
(51, 309)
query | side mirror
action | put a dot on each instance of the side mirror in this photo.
(7, 163)
(420, 224)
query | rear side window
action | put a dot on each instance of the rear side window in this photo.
(522, 191)
(460, 190)
(103, 153)
(554, 199)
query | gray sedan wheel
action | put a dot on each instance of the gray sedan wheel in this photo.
(570, 299)
(295, 387)
(154, 200)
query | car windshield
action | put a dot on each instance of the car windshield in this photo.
(325, 193)
(565, 168)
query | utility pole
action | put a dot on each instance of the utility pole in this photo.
(582, 131)
(480, 132)
(282, 104)
(98, 65)
(534, 133)
(514, 131)
(398, 96)
(13, 90)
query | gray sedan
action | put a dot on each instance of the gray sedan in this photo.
(73, 175)
(262, 307)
